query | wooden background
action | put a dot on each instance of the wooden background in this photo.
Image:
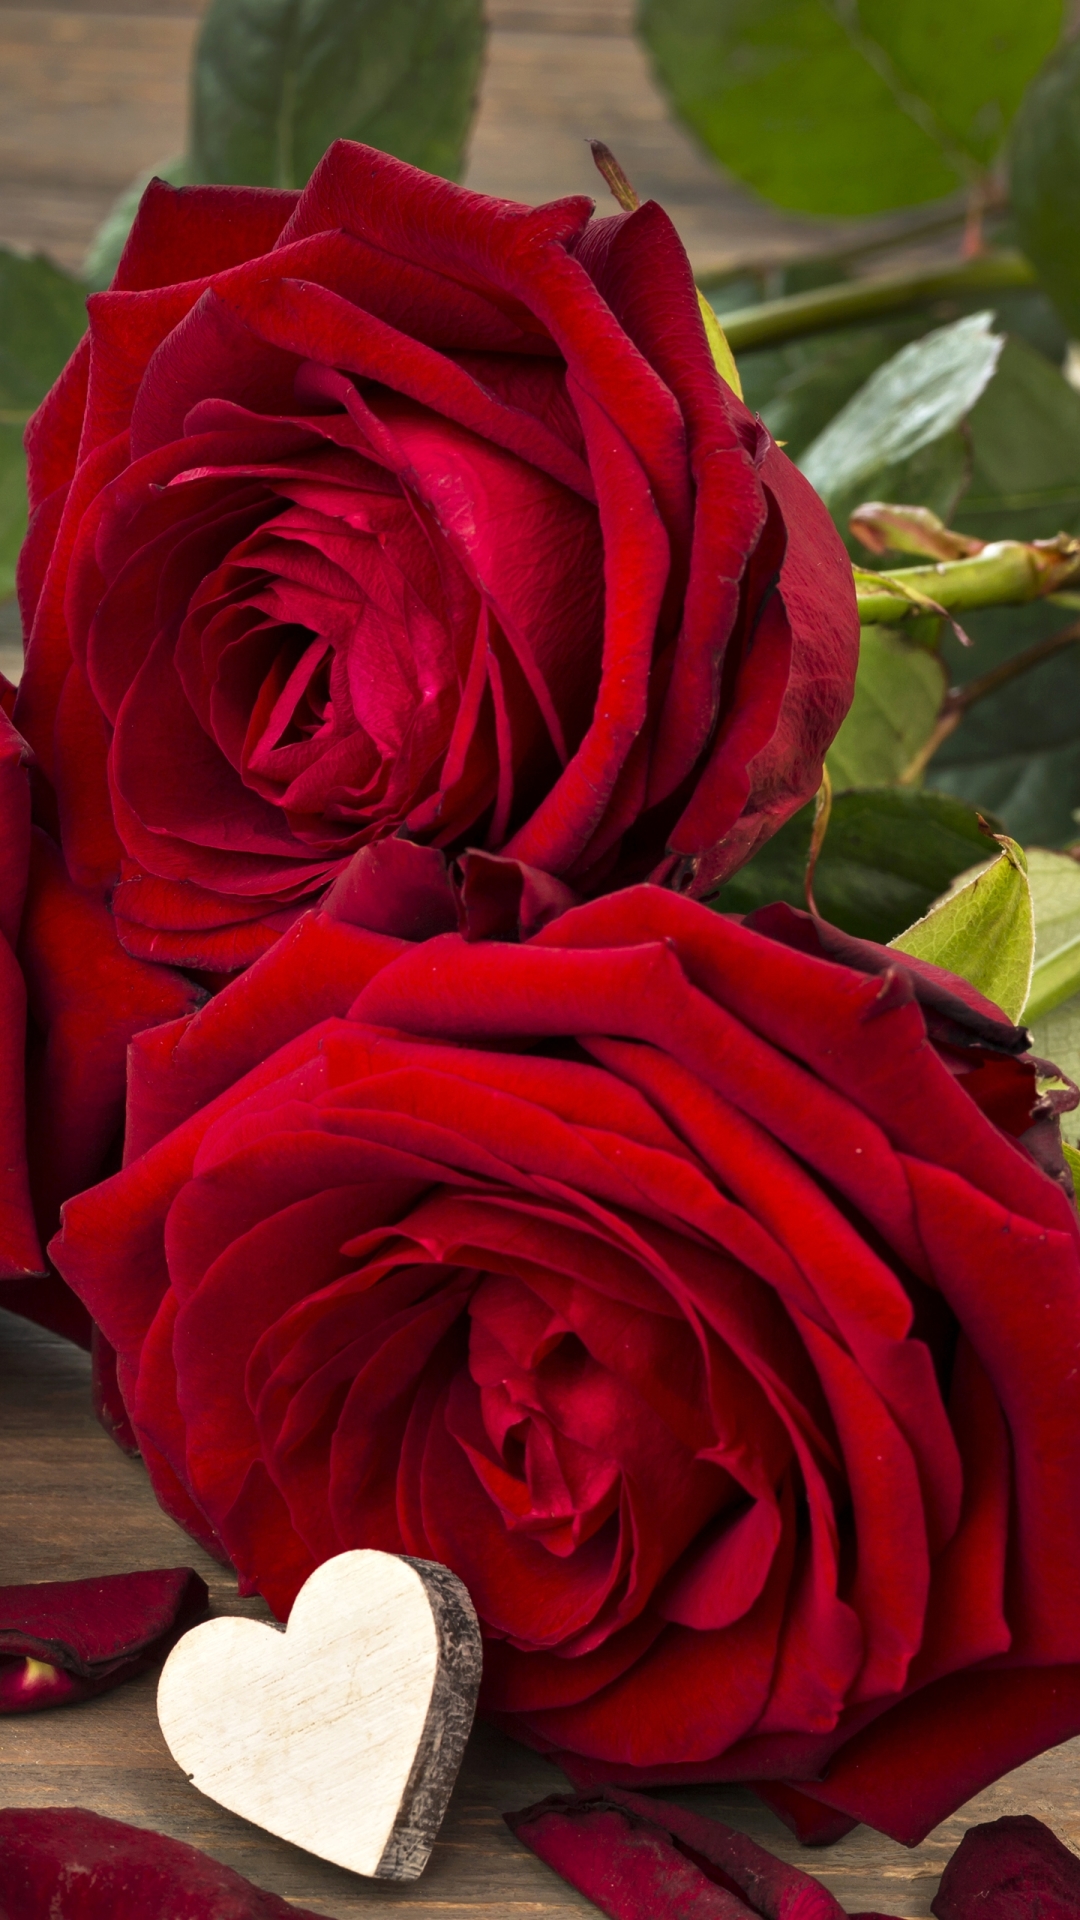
(71, 1505)
(93, 91)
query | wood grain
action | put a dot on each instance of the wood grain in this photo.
(93, 92)
(90, 95)
(71, 1505)
(345, 1733)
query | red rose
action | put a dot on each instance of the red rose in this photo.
(386, 519)
(87, 998)
(20, 1253)
(668, 1284)
(70, 1000)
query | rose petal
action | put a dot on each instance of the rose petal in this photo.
(76, 1865)
(1009, 1869)
(71, 1639)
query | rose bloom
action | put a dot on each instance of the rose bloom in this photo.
(696, 1297)
(386, 519)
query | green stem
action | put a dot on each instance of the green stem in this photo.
(959, 700)
(1053, 980)
(1007, 573)
(904, 236)
(823, 307)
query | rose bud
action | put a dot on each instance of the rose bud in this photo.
(74, 1865)
(1009, 1869)
(637, 1858)
(694, 1297)
(66, 1640)
(383, 522)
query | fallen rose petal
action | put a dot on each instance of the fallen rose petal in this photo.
(626, 1864)
(769, 1885)
(65, 1863)
(70, 1639)
(618, 1842)
(1010, 1869)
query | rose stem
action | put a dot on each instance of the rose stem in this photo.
(959, 699)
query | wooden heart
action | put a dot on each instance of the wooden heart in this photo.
(344, 1732)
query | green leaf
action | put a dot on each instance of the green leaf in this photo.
(42, 320)
(107, 245)
(1056, 1037)
(1055, 896)
(899, 688)
(276, 81)
(1018, 752)
(1072, 1160)
(1054, 879)
(898, 437)
(887, 856)
(1044, 179)
(849, 106)
(984, 931)
(1025, 452)
(799, 386)
(1055, 1028)
(12, 504)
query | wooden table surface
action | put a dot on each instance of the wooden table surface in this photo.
(92, 92)
(71, 1505)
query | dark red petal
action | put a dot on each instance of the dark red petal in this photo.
(48, 651)
(53, 432)
(92, 848)
(641, 268)
(1009, 1869)
(637, 557)
(312, 972)
(938, 992)
(1022, 1317)
(107, 1398)
(317, 324)
(87, 1001)
(625, 1863)
(186, 233)
(20, 1253)
(922, 1759)
(85, 1624)
(75, 1865)
(770, 1886)
(808, 1820)
(795, 706)
(819, 1015)
(394, 887)
(97, 1632)
(501, 899)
